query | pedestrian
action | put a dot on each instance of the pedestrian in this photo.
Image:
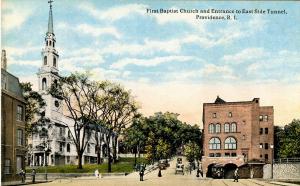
(33, 175)
(159, 173)
(23, 175)
(142, 175)
(198, 172)
(96, 173)
(236, 175)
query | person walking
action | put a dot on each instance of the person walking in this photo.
(33, 175)
(23, 175)
(142, 175)
(96, 173)
(236, 175)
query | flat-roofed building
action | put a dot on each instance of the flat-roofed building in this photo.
(236, 134)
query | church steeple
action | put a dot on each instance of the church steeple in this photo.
(50, 20)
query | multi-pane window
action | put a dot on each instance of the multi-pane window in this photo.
(20, 140)
(233, 154)
(230, 143)
(261, 131)
(7, 166)
(266, 131)
(61, 147)
(214, 143)
(218, 128)
(218, 155)
(19, 113)
(226, 127)
(227, 154)
(266, 146)
(233, 127)
(211, 128)
(211, 155)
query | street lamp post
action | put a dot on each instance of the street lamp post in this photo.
(272, 160)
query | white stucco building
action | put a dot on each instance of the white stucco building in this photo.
(57, 147)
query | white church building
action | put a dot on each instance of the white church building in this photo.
(57, 146)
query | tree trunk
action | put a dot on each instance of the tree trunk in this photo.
(109, 159)
(115, 141)
(79, 160)
(135, 156)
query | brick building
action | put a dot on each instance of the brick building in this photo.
(12, 125)
(237, 134)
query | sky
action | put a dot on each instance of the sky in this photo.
(170, 62)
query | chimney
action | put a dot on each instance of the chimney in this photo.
(3, 60)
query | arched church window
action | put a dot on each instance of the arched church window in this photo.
(54, 61)
(230, 143)
(53, 44)
(50, 43)
(44, 84)
(45, 60)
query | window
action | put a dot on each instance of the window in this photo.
(211, 155)
(44, 84)
(50, 43)
(218, 128)
(45, 60)
(53, 44)
(7, 166)
(61, 147)
(56, 103)
(260, 118)
(227, 154)
(214, 115)
(19, 164)
(69, 134)
(19, 113)
(218, 154)
(88, 148)
(61, 131)
(266, 131)
(20, 140)
(226, 127)
(211, 128)
(233, 127)
(266, 156)
(68, 147)
(233, 154)
(261, 145)
(54, 61)
(214, 143)
(265, 118)
(68, 160)
(230, 143)
(261, 131)
(266, 145)
(230, 114)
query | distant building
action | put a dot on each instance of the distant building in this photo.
(236, 134)
(12, 124)
(55, 146)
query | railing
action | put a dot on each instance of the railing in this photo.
(287, 160)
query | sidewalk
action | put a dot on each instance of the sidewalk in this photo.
(20, 182)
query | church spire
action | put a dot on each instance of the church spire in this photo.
(50, 21)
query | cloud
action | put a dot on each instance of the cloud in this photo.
(96, 31)
(211, 69)
(246, 55)
(149, 62)
(13, 16)
(114, 13)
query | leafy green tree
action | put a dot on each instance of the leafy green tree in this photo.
(192, 151)
(290, 140)
(34, 107)
(162, 149)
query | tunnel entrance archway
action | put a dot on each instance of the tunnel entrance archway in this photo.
(215, 171)
(229, 170)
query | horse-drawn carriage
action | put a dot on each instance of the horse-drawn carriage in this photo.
(179, 166)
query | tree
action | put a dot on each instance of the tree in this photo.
(163, 149)
(192, 151)
(34, 107)
(76, 91)
(289, 139)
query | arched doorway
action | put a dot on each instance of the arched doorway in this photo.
(229, 170)
(215, 171)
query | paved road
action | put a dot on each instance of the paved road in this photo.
(168, 179)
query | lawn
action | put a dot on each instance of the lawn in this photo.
(124, 165)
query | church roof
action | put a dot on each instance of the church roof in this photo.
(50, 20)
(219, 100)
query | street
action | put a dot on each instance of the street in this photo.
(168, 178)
